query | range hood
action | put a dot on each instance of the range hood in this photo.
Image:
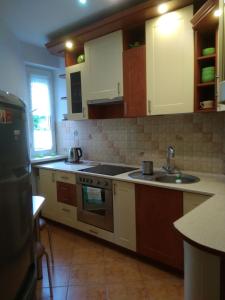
(106, 101)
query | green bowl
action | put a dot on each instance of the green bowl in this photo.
(208, 51)
(80, 58)
(208, 74)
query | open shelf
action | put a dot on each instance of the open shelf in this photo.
(206, 109)
(72, 55)
(204, 84)
(205, 27)
(132, 35)
(207, 57)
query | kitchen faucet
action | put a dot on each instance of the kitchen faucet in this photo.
(169, 167)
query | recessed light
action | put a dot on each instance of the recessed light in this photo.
(83, 1)
(217, 13)
(69, 44)
(163, 8)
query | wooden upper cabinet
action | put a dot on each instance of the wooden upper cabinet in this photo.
(134, 79)
(170, 63)
(104, 66)
(156, 210)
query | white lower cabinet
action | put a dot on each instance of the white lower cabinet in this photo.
(53, 209)
(67, 215)
(124, 214)
(47, 188)
(100, 233)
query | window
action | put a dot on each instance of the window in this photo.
(42, 131)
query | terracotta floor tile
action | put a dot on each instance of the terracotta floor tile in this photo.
(60, 277)
(86, 293)
(111, 256)
(91, 274)
(125, 272)
(59, 293)
(92, 271)
(167, 286)
(87, 256)
(123, 292)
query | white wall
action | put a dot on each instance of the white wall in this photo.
(14, 55)
(12, 71)
(39, 56)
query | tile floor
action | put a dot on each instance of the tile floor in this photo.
(87, 270)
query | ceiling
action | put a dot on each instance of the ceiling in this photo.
(37, 22)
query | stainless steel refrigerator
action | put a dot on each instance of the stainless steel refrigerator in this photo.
(17, 270)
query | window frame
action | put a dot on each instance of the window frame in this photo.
(33, 70)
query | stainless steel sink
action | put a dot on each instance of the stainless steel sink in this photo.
(177, 178)
(161, 176)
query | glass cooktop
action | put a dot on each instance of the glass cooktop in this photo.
(108, 170)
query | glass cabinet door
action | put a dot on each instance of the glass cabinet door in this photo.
(76, 92)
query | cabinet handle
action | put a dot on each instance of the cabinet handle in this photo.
(64, 177)
(149, 106)
(53, 177)
(65, 210)
(118, 88)
(93, 231)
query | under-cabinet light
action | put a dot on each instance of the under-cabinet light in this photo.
(217, 13)
(163, 8)
(69, 44)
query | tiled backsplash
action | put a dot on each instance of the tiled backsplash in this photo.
(199, 140)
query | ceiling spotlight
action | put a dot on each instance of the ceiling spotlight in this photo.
(163, 8)
(69, 44)
(217, 13)
(83, 1)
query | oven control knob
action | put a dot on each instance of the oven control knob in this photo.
(91, 181)
(87, 180)
(98, 182)
(106, 183)
(80, 178)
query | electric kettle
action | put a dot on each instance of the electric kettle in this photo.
(74, 155)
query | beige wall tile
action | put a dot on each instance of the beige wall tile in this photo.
(199, 140)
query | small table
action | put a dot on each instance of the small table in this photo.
(38, 202)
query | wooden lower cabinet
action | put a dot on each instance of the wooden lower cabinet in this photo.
(66, 193)
(156, 210)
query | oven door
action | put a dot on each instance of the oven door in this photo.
(95, 206)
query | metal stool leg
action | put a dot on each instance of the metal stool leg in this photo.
(49, 274)
(50, 243)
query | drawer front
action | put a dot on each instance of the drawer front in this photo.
(103, 234)
(66, 193)
(65, 177)
(67, 214)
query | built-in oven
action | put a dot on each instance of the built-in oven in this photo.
(95, 201)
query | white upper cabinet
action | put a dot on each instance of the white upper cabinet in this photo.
(170, 63)
(105, 69)
(76, 92)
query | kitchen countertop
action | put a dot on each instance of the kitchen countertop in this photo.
(204, 225)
